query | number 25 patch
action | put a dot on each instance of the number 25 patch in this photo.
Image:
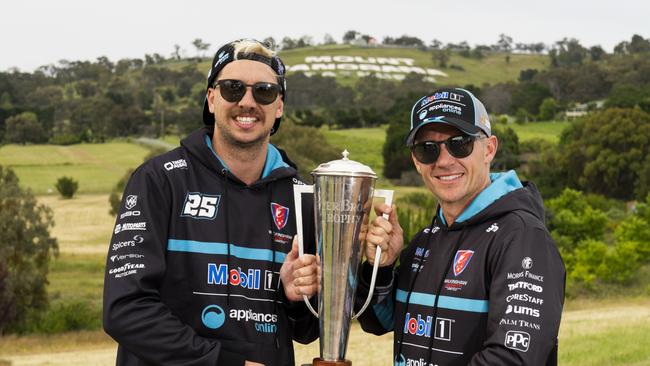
(201, 206)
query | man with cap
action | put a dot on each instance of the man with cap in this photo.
(201, 269)
(483, 284)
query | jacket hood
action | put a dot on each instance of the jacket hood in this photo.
(505, 194)
(276, 166)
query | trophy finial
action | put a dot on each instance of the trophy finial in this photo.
(345, 154)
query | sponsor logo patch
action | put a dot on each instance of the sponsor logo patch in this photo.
(131, 201)
(456, 97)
(280, 215)
(422, 327)
(201, 206)
(454, 285)
(176, 164)
(526, 274)
(522, 310)
(264, 323)
(125, 256)
(220, 275)
(137, 239)
(525, 298)
(213, 316)
(520, 323)
(447, 108)
(434, 97)
(462, 260)
(129, 214)
(280, 237)
(517, 340)
(493, 228)
(419, 259)
(527, 263)
(126, 270)
(433, 231)
(130, 226)
(525, 286)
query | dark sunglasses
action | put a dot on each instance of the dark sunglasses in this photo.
(427, 152)
(234, 90)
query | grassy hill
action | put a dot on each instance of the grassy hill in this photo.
(549, 131)
(97, 167)
(495, 67)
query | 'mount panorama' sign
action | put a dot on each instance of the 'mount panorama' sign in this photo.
(395, 68)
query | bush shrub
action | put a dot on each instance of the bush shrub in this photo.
(65, 139)
(415, 212)
(67, 186)
(61, 317)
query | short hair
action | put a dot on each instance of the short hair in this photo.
(248, 46)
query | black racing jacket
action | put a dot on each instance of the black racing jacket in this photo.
(175, 293)
(487, 290)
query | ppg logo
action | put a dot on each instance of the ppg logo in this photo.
(517, 340)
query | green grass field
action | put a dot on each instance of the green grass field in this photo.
(97, 167)
(363, 144)
(549, 131)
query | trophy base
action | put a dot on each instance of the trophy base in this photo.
(320, 362)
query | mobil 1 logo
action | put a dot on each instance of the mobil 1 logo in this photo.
(271, 280)
(200, 206)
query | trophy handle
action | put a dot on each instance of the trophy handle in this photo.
(388, 199)
(298, 190)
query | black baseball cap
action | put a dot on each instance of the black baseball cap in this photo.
(226, 55)
(453, 106)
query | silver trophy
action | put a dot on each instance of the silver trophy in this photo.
(343, 192)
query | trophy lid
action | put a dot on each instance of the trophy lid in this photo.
(345, 167)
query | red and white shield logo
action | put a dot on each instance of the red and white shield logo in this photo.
(461, 260)
(280, 215)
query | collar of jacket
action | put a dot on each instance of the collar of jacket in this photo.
(273, 158)
(501, 184)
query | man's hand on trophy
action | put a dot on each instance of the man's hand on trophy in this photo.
(386, 234)
(300, 275)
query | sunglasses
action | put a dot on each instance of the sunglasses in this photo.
(234, 90)
(427, 152)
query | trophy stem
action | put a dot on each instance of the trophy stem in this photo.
(321, 362)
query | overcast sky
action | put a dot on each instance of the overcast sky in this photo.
(40, 32)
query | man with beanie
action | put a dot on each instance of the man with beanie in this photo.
(484, 283)
(202, 268)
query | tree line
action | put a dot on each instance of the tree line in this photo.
(83, 101)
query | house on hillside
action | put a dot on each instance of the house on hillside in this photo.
(581, 109)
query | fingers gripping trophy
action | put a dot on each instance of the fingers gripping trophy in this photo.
(343, 191)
